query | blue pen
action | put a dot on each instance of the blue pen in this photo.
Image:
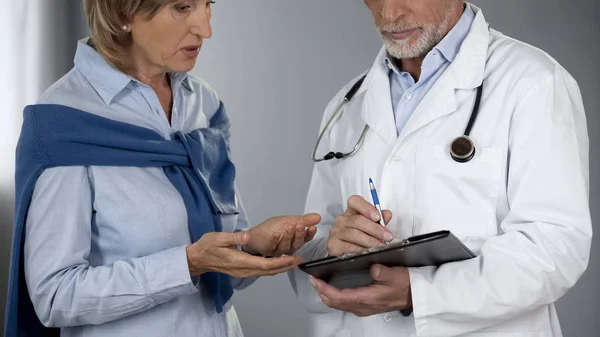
(376, 201)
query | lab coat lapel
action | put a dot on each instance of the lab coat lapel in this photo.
(438, 102)
(377, 111)
(465, 73)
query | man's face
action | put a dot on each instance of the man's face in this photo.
(411, 28)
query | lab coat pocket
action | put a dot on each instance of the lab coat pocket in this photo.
(460, 197)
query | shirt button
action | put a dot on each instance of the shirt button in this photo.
(409, 95)
(387, 318)
(174, 110)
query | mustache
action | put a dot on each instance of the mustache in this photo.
(396, 27)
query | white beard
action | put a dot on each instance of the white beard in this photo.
(429, 37)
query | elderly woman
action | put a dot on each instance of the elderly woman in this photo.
(127, 219)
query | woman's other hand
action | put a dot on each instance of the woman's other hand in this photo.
(217, 252)
(282, 235)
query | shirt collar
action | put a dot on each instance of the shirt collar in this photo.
(450, 44)
(107, 80)
(184, 79)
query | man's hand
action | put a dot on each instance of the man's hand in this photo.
(358, 228)
(390, 291)
(282, 235)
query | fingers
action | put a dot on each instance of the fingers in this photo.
(365, 217)
(318, 284)
(299, 238)
(286, 242)
(330, 295)
(363, 301)
(305, 232)
(373, 229)
(270, 247)
(357, 205)
(386, 275)
(337, 247)
(243, 261)
(225, 239)
(310, 234)
(381, 273)
(321, 287)
(359, 238)
(295, 238)
(387, 216)
(306, 220)
(271, 272)
(311, 219)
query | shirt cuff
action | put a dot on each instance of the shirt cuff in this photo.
(168, 275)
(418, 280)
(196, 282)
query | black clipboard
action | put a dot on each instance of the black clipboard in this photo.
(352, 270)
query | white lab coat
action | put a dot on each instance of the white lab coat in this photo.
(521, 204)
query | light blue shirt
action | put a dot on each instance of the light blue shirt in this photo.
(105, 249)
(406, 94)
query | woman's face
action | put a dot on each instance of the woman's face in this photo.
(171, 40)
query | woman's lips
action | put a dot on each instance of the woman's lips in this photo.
(191, 51)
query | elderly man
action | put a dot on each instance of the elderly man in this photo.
(463, 129)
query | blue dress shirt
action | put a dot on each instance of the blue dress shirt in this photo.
(406, 94)
(105, 248)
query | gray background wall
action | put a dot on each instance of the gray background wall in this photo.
(277, 63)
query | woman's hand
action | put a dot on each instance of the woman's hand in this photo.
(282, 235)
(216, 252)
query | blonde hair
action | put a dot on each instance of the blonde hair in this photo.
(106, 19)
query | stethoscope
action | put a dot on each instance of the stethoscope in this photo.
(462, 148)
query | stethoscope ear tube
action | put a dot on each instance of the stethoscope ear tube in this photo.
(341, 155)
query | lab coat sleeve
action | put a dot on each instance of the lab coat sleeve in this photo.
(319, 201)
(324, 197)
(544, 244)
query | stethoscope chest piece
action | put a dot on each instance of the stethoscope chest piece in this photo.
(462, 149)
